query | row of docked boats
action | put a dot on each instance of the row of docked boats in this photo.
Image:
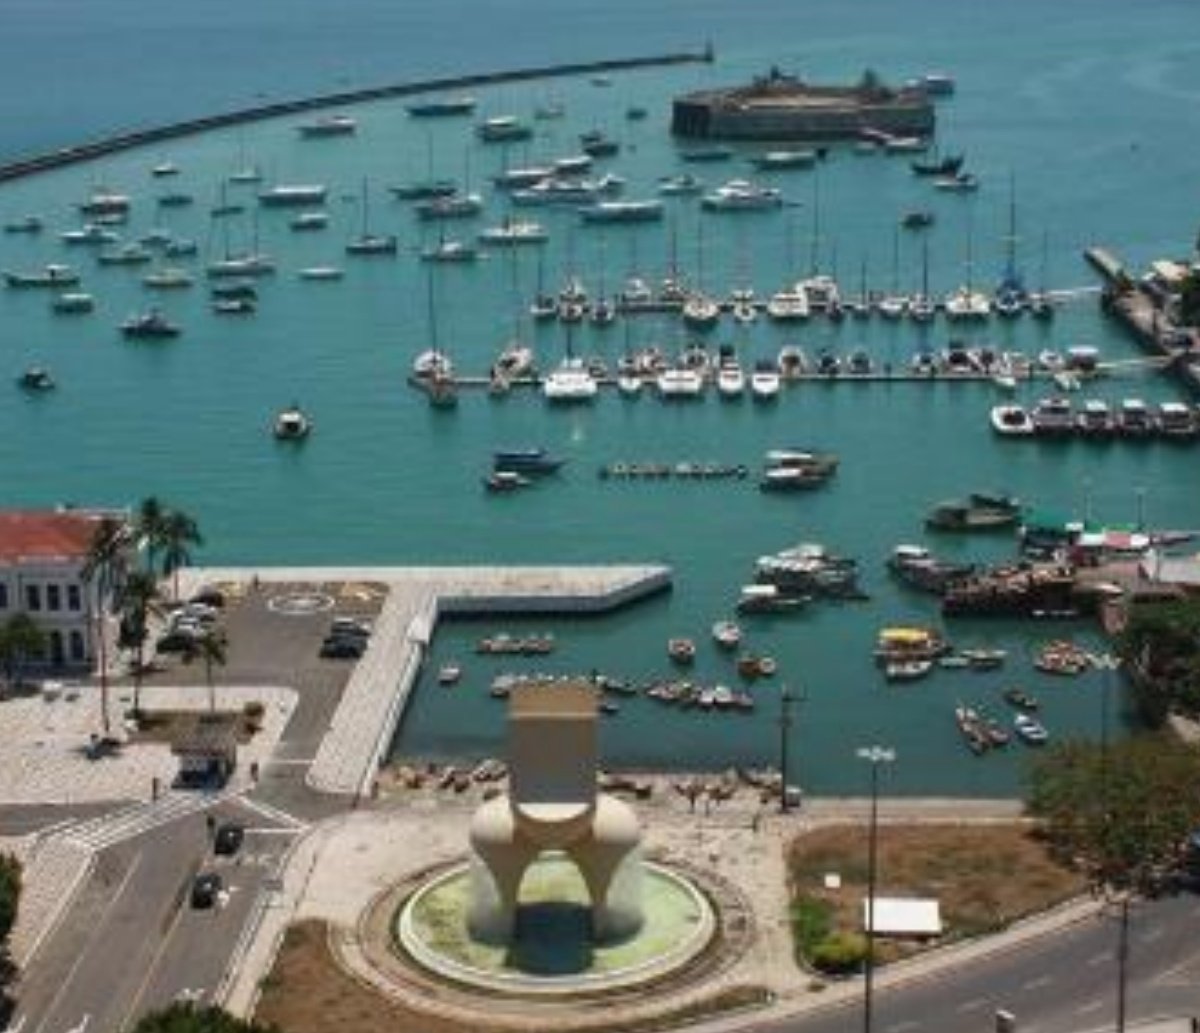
(683, 471)
(982, 731)
(1132, 419)
(506, 644)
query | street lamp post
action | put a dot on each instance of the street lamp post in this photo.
(873, 755)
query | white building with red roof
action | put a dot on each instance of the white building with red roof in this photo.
(42, 556)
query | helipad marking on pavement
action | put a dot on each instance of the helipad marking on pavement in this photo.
(300, 604)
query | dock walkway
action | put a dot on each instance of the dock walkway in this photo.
(377, 694)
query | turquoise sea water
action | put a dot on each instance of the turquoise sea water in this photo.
(1090, 109)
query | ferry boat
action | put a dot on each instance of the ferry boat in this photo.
(294, 195)
(73, 303)
(292, 424)
(514, 232)
(740, 195)
(152, 324)
(329, 125)
(53, 275)
(503, 129)
(445, 108)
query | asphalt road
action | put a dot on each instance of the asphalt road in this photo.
(1062, 983)
(132, 942)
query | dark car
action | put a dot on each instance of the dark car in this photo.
(205, 888)
(343, 647)
(349, 627)
(209, 596)
(228, 838)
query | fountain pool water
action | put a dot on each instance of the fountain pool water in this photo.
(553, 951)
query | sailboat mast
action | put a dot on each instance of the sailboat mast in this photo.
(431, 309)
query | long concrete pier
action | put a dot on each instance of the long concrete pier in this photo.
(380, 687)
(1141, 313)
(156, 134)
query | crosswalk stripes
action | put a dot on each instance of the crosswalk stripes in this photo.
(273, 813)
(102, 832)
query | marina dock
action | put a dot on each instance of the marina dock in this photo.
(377, 694)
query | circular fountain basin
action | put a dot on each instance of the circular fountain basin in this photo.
(552, 952)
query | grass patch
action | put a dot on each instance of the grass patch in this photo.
(308, 992)
(984, 876)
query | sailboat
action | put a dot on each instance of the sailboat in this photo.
(516, 358)
(700, 312)
(1041, 306)
(603, 312)
(966, 302)
(247, 263)
(368, 243)
(921, 307)
(432, 368)
(244, 171)
(1010, 297)
(545, 306)
(893, 305)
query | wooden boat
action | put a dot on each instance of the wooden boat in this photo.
(727, 634)
(1020, 699)
(906, 670)
(681, 650)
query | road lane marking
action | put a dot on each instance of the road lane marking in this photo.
(900, 1027)
(97, 929)
(1089, 1006)
(180, 907)
(1034, 984)
(1099, 959)
(83, 1024)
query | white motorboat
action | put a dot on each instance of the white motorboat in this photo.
(788, 305)
(241, 266)
(727, 634)
(168, 278)
(73, 303)
(966, 303)
(822, 292)
(629, 384)
(431, 363)
(700, 312)
(89, 233)
(1053, 417)
(514, 232)
(764, 382)
(1011, 421)
(570, 381)
(892, 306)
(105, 202)
(503, 129)
(740, 195)
(321, 272)
(1095, 420)
(636, 292)
(622, 211)
(294, 195)
(679, 383)
(1177, 422)
(731, 381)
(307, 221)
(516, 360)
(680, 186)
(329, 125)
(53, 275)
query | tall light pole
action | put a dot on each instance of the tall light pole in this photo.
(873, 755)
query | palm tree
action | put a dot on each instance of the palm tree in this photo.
(103, 570)
(213, 649)
(178, 532)
(20, 639)
(138, 601)
(149, 522)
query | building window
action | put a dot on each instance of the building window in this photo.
(33, 597)
(53, 598)
(56, 648)
(3, 596)
(74, 600)
(78, 652)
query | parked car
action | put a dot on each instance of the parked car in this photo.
(209, 595)
(228, 838)
(205, 889)
(350, 626)
(341, 647)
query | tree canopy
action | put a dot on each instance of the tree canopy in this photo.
(1161, 648)
(186, 1018)
(21, 640)
(10, 893)
(1121, 812)
(1189, 300)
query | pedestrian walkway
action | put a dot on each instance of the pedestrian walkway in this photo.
(137, 818)
(53, 868)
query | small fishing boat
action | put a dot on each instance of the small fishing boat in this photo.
(1029, 729)
(152, 324)
(35, 380)
(1011, 421)
(764, 381)
(681, 650)
(73, 303)
(1020, 699)
(906, 670)
(321, 272)
(329, 125)
(727, 634)
(501, 481)
(292, 424)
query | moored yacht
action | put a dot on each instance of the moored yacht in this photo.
(1095, 420)
(514, 232)
(731, 381)
(1134, 419)
(1011, 421)
(570, 381)
(53, 275)
(740, 195)
(966, 303)
(679, 383)
(73, 303)
(764, 381)
(329, 125)
(152, 324)
(788, 305)
(89, 233)
(292, 424)
(1053, 417)
(1176, 422)
(700, 312)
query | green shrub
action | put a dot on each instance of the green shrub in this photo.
(811, 922)
(839, 953)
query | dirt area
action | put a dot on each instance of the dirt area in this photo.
(168, 726)
(984, 876)
(307, 992)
